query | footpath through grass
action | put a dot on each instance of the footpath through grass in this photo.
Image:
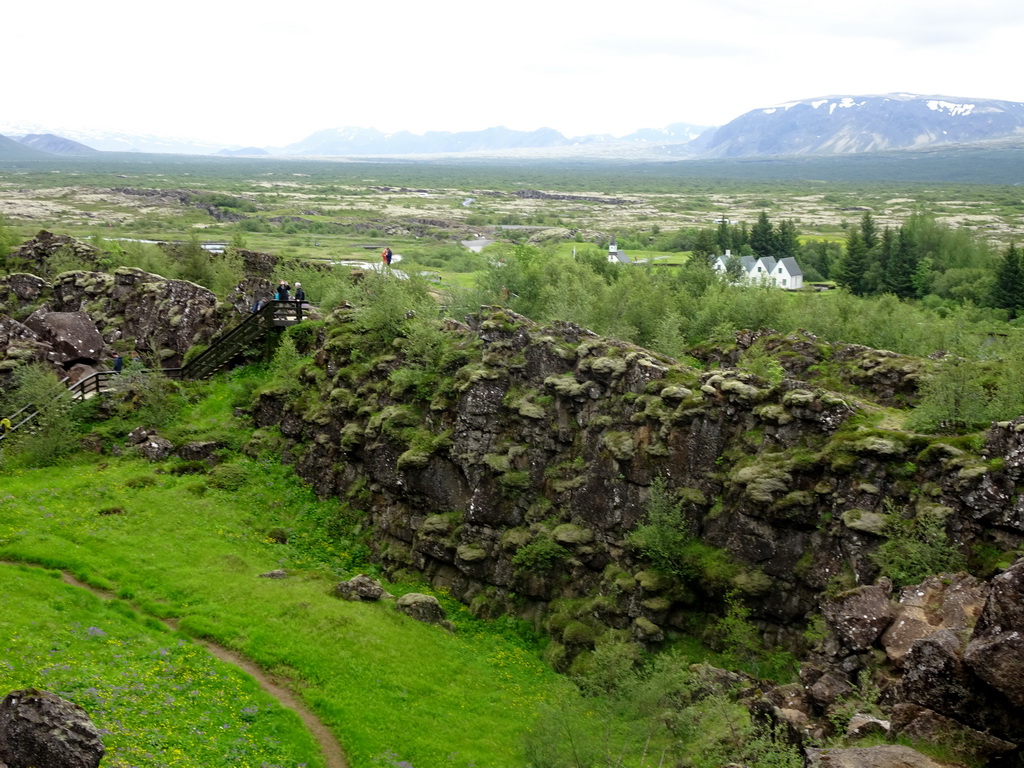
(157, 697)
(179, 547)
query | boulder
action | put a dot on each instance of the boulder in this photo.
(203, 450)
(860, 615)
(935, 604)
(361, 588)
(41, 730)
(71, 334)
(885, 756)
(277, 573)
(155, 448)
(922, 724)
(423, 608)
(828, 689)
(996, 650)
(862, 725)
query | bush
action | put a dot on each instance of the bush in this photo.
(667, 539)
(541, 554)
(48, 437)
(916, 548)
(228, 477)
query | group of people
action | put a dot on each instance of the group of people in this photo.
(283, 291)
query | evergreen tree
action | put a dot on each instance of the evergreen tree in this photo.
(852, 268)
(762, 236)
(724, 235)
(868, 230)
(902, 266)
(705, 247)
(1008, 287)
(740, 238)
(787, 240)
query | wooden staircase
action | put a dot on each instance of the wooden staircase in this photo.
(222, 350)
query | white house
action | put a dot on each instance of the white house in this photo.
(785, 273)
(615, 255)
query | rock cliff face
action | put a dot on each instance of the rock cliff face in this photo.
(517, 480)
(84, 316)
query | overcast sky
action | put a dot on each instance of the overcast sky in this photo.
(268, 75)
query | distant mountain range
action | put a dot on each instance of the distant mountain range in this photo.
(831, 125)
(369, 141)
(851, 124)
(56, 145)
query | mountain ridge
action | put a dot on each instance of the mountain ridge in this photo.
(822, 126)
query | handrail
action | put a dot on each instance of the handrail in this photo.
(220, 351)
(34, 412)
(225, 346)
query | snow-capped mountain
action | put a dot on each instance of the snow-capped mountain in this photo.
(848, 124)
(114, 141)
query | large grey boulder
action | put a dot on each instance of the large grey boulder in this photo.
(155, 448)
(996, 650)
(936, 604)
(361, 588)
(71, 334)
(423, 608)
(41, 730)
(860, 615)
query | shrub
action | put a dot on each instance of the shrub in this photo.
(48, 437)
(667, 539)
(916, 548)
(541, 554)
(227, 477)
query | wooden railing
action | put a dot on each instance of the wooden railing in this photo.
(223, 349)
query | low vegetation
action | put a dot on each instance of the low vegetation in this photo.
(185, 542)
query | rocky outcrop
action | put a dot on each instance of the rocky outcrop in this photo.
(162, 318)
(517, 480)
(545, 427)
(34, 255)
(885, 377)
(83, 316)
(41, 730)
(996, 650)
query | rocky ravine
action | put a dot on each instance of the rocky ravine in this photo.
(515, 480)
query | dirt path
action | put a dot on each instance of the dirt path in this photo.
(334, 757)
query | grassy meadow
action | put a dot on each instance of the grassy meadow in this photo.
(189, 548)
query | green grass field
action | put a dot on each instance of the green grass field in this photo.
(157, 697)
(179, 547)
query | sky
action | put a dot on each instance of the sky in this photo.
(260, 74)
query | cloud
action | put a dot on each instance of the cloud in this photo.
(241, 76)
